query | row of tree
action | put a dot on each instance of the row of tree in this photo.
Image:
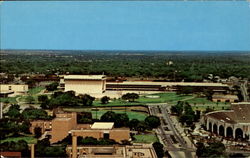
(190, 66)
(185, 113)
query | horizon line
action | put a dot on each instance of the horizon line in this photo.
(128, 50)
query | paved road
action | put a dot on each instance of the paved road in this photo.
(243, 88)
(170, 145)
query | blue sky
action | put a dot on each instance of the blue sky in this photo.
(128, 25)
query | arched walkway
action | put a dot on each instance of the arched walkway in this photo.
(215, 128)
(221, 130)
(238, 133)
(210, 127)
(229, 132)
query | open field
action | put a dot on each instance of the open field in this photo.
(29, 140)
(169, 97)
(35, 90)
(145, 138)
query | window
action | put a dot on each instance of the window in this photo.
(106, 135)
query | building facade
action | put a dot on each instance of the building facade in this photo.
(66, 123)
(13, 89)
(84, 84)
(114, 151)
(234, 123)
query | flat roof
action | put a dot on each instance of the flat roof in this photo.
(239, 114)
(102, 125)
(169, 83)
(227, 96)
(84, 77)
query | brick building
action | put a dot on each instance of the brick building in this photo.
(114, 151)
(65, 123)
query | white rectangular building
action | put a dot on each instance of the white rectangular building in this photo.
(85, 84)
(13, 89)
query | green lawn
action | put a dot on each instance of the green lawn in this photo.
(35, 90)
(29, 140)
(171, 98)
(8, 100)
(203, 103)
(145, 138)
(131, 114)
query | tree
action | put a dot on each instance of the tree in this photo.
(153, 121)
(86, 99)
(158, 149)
(29, 99)
(215, 149)
(14, 111)
(84, 117)
(105, 100)
(130, 97)
(42, 98)
(52, 87)
(142, 126)
(25, 126)
(38, 132)
(32, 113)
(178, 108)
(109, 116)
(120, 120)
(133, 124)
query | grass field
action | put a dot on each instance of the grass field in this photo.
(145, 138)
(36, 90)
(131, 114)
(203, 103)
(171, 98)
(29, 140)
(8, 100)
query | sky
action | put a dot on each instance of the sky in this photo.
(126, 25)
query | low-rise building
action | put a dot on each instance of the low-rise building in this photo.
(84, 84)
(65, 123)
(103, 130)
(13, 89)
(225, 98)
(114, 151)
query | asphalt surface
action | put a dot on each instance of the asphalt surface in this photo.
(171, 138)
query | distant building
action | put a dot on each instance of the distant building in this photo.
(12, 89)
(114, 151)
(84, 84)
(234, 123)
(225, 98)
